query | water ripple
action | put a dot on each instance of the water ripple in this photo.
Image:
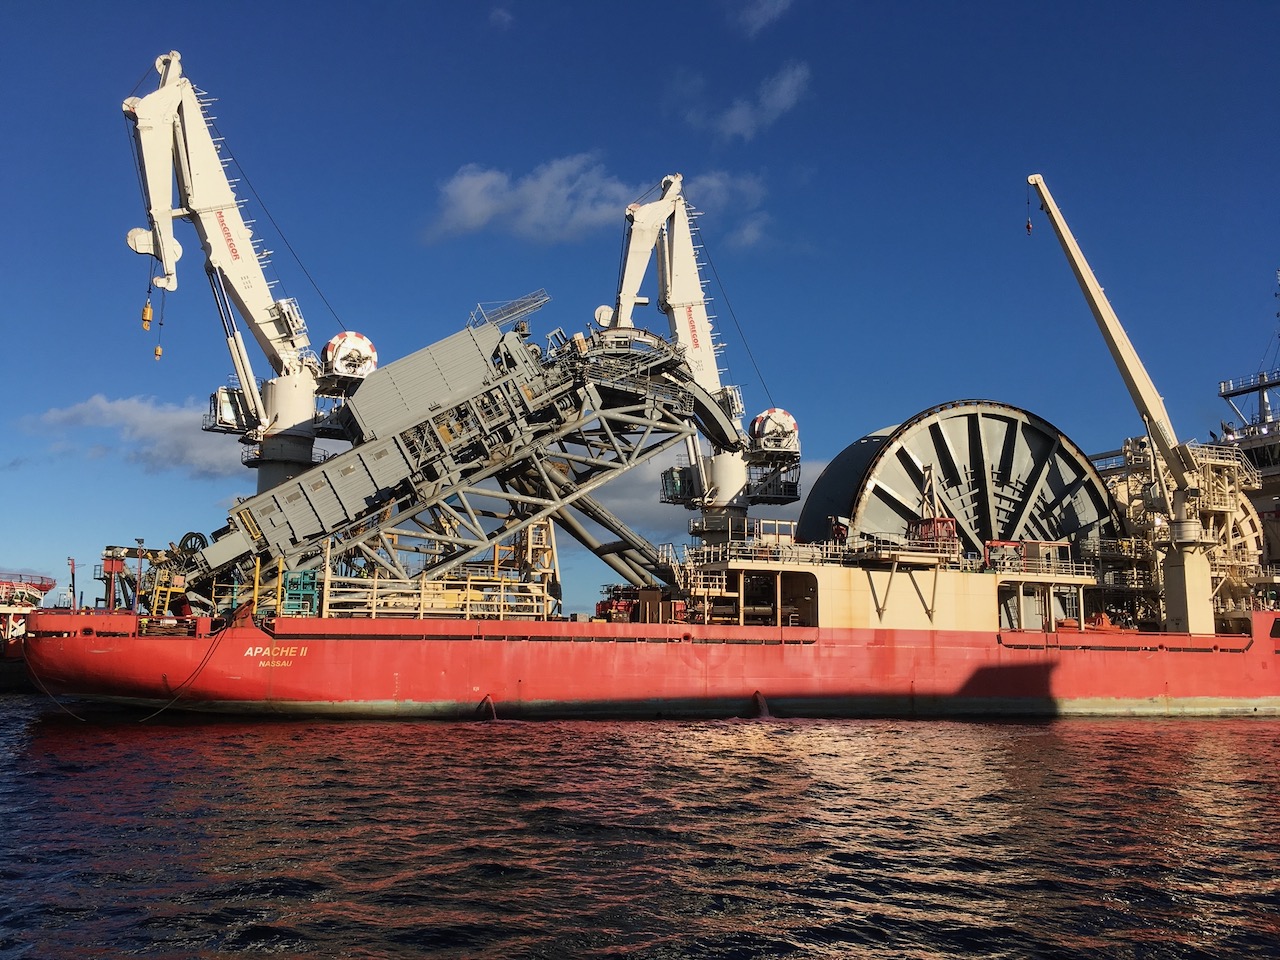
(789, 839)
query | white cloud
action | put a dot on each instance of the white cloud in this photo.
(560, 200)
(718, 191)
(502, 18)
(156, 436)
(634, 498)
(734, 201)
(751, 231)
(754, 16)
(567, 198)
(777, 95)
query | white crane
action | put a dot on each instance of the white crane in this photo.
(175, 146)
(1188, 581)
(662, 230)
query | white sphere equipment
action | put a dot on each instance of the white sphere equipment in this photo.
(350, 354)
(775, 431)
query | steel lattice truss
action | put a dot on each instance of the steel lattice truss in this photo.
(436, 531)
(466, 444)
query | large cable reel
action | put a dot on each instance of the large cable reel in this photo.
(1002, 473)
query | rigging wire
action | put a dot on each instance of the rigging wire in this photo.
(182, 687)
(141, 80)
(224, 150)
(626, 232)
(148, 314)
(158, 351)
(1274, 342)
(160, 324)
(137, 160)
(142, 193)
(45, 690)
(706, 253)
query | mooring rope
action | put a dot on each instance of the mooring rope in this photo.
(236, 614)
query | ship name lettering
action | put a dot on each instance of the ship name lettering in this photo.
(277, 652)
(226, 235)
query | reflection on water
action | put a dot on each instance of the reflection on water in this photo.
(191, 838)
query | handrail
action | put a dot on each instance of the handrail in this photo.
(1253, 380)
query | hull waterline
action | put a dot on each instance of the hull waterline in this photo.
(458, 669)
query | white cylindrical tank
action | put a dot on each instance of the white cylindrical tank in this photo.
(727, 475)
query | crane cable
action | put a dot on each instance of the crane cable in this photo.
(147, 314)
(626, 233)
(733, 316)
(159, 351)
(225, 151)
(142, 192)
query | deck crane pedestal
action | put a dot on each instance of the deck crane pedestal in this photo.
(1187, 572)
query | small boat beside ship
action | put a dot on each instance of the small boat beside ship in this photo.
(970, 561)
(20, 593)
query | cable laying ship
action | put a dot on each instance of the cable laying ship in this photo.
(970, 561)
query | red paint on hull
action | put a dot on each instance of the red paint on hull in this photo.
(465, 668)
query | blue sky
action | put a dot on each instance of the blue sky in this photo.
(861, 168)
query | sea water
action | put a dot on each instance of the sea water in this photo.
(186, 837)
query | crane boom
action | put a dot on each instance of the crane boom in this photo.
(662, 230)
(1187, 576)
(1141, 387)
(175, 145)
(764, 469)
(176, 148)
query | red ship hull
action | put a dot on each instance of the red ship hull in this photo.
(509, 669)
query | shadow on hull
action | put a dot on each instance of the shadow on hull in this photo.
(1021, 691)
